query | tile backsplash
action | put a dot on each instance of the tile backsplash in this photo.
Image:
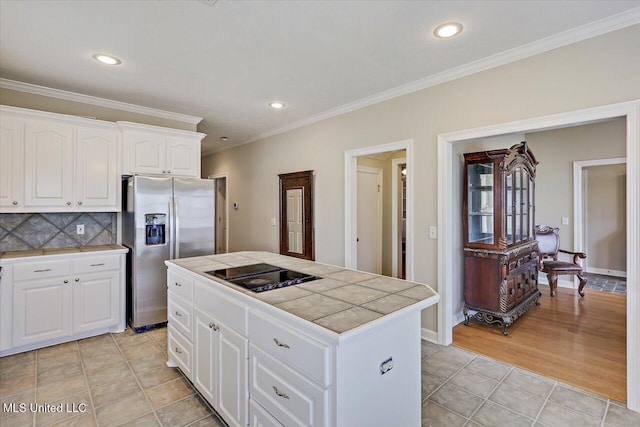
(56, 230)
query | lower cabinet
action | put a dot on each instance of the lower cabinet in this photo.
(259, 417)
(47, 300)
(220, 368)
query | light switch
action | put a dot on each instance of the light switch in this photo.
(433, 232)
(273, 222)
(565, 220)
(80, 229)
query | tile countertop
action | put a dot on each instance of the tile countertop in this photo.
(59, 251)
(340, 300)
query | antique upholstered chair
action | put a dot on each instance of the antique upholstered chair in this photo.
(549, 245)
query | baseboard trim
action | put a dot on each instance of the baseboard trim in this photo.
(606, 272)
(429, 335)
(561, 283)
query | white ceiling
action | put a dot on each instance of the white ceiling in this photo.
(226, 62)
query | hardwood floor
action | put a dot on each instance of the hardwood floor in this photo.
(578, 341)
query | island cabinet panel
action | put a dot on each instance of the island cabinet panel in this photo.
(258, 364)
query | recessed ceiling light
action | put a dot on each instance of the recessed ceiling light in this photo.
(447, 30)
(276, 104)
(106, 59)
(224, 139)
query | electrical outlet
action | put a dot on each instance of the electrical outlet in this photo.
(565, 220)
(80, 229)
(433, 232)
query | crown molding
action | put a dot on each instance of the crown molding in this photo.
(574, 35)
(94, 100)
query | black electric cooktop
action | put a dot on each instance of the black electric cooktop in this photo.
(261, 277)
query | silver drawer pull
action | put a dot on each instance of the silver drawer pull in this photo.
(280, 344)
(279, 393)
(178, 314)
(178, 285)
(96, 265)
(42, 271)
(213, 326)
(178, 350)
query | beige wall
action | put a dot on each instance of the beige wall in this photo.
(599, 71)
(605, 217)
(61, 106)
(556, 150)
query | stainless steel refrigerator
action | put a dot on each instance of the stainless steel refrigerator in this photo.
(163, 218)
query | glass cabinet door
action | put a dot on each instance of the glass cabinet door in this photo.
(509, 209)
(517, 189)
(480, 203)
(525, 204)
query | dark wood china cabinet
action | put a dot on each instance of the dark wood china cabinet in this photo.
(500, 250)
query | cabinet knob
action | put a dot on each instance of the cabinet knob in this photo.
(512, 291)
(65, 281)
(79, 202)
(15, 203)
(168, 171)
(164, 171)
(68, 203)
(77, 279)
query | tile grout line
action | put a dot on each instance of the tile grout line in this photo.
(86, 379)
(606, 409)
(486, 399)
(546, 400)
(135, 377)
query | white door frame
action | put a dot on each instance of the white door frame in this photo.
(447, 257)
(351, 200)
(224, 175)
(379, 174)
(578, 198)
(395, 164)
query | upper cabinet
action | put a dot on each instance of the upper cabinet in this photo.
(57, 163)
(161, 151)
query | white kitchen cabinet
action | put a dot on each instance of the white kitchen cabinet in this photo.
(97, 175)
(11, 162)
(220, 367)
(41, 310)
(50, 299)
(160, 151)
(259, 417)
(49, 164)
(57, 163)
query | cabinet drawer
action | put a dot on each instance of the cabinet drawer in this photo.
(230, 312)
(259, 417)
(41, 269)
(180, 351)
(180, 314)
(180, 285)
(98, 263)
(301, 352)
(291, 398)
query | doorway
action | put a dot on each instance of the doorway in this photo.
(383, 157)
(369, 240)
(221, 213)
(447, 256)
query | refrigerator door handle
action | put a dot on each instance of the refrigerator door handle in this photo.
(177, 226)
(171, 229)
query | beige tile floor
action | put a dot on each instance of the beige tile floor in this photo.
(122, 380)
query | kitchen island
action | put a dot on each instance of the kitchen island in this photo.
(342, 350)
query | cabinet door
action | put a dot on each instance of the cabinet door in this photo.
(97, 169)
(95, 300)
(41, 310)
(144, 153)
(206, 347)
(259, 417)
(11, 162)
(183, 157)
(49, 164)
(232, 376)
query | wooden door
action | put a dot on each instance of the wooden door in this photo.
(369, 184)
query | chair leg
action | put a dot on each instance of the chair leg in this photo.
(553, 283)
(583, 282)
